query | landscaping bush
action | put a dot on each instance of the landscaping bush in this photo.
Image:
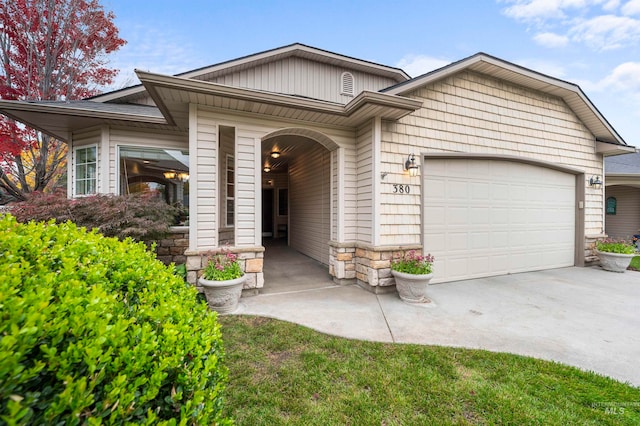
(142, 216)
(94, 330)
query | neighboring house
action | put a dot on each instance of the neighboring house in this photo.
(622, 193)
(484, 164)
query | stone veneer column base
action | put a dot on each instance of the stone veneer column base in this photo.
(369, 266)
(590, 256)
(171, 248)
(251, 261)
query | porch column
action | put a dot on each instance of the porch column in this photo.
(203, 180)
(248, 191)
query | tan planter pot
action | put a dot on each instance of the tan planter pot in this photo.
(412, 288)
(222, 296)
(614, 262)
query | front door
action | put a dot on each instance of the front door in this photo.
(267, 212)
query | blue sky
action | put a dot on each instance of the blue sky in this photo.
(593, 43)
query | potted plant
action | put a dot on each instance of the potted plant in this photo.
(413, 273)
(222, 281)
(615, 255)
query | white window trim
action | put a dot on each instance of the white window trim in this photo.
(74, 181)
(230, 160)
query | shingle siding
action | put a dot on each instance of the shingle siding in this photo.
(473, 113)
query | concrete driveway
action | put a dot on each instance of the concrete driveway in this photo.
(585, 317)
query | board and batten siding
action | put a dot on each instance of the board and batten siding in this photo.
(473, 113)
(364, 183)
(334, 195)
(626, 222)
(309, 203)
(350, 178)
(248, 191)
(303, 77)
(203, 193)
(127, 137)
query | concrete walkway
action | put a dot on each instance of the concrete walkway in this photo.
(585, 317)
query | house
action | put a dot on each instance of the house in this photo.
(622, 195)
(484, 164)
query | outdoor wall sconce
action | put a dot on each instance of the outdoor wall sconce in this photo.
(411, 166)
(275, 154)
(266, 169)
(596, 182)
(169, 175)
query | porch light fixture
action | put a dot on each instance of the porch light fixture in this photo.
(596, 182)
(275, 154)
(411, 166)
(182, 176)
(266, 169)
(170, 174)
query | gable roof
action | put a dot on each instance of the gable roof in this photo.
(571, 93)
(267, 56)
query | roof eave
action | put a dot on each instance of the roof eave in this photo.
(31, 114)
(609, 149)
(396, 106)
(83, 112)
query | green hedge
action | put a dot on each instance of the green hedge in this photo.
(96, 331)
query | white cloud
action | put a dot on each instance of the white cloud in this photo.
(152, 49)
(551, 40)
(606, 32)
(416, 65)
(530, 10)
(631, 8)
(599, 28)
(624, 78)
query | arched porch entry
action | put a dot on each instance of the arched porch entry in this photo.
(296, 203)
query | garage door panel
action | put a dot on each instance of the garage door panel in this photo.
(457, 216)
(480, 190)
(435, 190)
(479, 215)
(458, 189)
(490, 217)
(479, 240)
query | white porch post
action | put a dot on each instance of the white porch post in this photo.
(203, 180)
(248, 196)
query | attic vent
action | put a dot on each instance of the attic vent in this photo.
(347, 87)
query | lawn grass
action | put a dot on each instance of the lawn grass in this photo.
(282, 373)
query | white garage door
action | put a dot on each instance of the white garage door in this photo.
(491, 217)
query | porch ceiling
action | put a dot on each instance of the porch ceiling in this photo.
(622, 179)
(174, 94)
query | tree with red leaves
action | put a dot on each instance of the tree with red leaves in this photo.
(49, 50)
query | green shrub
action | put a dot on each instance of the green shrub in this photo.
(96, 331)
(142, 216)
(615, 246)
